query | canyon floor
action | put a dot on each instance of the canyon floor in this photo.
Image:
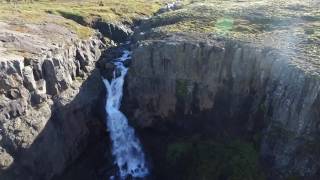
(225, 90)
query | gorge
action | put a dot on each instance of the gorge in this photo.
(225, 90)
(126, 148)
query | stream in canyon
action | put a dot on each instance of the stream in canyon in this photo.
(126, 147)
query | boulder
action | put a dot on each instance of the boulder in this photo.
(5, 159)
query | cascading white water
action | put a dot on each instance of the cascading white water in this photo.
(126, 147)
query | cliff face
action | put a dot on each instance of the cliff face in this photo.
(49, 91)
(229, 88)
(51, 94)
(204, 78)
(207, 74)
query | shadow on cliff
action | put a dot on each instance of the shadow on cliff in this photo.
(74, 140)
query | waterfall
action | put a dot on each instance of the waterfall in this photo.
(126, 147)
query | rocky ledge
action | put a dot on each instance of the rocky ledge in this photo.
(216, 90)
(49, 90)
(228, 88)
(212, 73)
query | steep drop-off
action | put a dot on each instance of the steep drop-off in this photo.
(52, 118)
(216, 90)
(43, 99)
(228, 90)
(224, 88)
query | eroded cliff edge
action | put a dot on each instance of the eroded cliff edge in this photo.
(48, 99)
(195, 80)
(209, 89)
(228, 88)
(51, 95)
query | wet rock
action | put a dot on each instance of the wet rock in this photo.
(106, 64)
(110, 71)
(127, 63)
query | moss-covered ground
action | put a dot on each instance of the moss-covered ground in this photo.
(290, 25)
(212, 160)
(77, 14)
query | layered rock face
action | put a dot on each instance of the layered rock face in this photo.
(187, 79)
(229, 88)
(48, 99)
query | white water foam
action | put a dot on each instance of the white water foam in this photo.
(126, 147)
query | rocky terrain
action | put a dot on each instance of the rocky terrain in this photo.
(215, 89)
(247, 72)
(43, 90)
(51, 93)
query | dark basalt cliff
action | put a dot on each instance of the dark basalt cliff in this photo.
(215, 91)
(225, 88)
(52, 116)
(234, 95)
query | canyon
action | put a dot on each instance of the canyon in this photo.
(214, 90)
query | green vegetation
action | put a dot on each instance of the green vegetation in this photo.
(209, 160)
(78, 14)
(223, 25)
(240, 18)
(181, 88)
(291, 26)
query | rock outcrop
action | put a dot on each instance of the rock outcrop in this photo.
(117, 32)
(220, 70)
(231, 69)
(224, 87)
(49, 90)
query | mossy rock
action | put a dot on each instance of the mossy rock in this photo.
(182, 88)
(209, 160)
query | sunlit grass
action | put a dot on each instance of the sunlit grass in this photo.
(79, 13)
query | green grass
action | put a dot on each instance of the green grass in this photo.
(236, 18)
(291, 26)
(78, 14)
(209, 160)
